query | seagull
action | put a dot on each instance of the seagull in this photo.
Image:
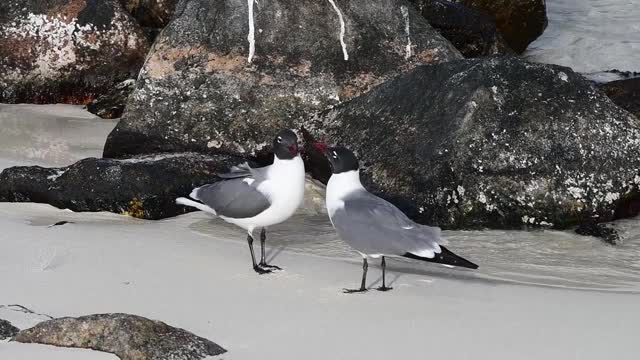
(254, 198)
(373, 226)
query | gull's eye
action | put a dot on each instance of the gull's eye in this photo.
(279, 139)
(334, 155)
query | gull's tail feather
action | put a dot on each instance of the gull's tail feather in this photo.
(445, 257)
(195, 204)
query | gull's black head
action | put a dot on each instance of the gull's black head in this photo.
(285, 145)
(340, 158)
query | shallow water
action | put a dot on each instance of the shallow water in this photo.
(51, 135)
(555, 259)
(590, 35)
(559, 259)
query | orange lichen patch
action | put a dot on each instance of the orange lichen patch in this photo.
(135, 209)
(68, 11)
(230, 63)
(359, 85)
(266, 80)
(161, 63)
(91, 38)
(158, 67)
(303, 69)
(428, 56)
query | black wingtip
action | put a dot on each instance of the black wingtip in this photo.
(445, 257)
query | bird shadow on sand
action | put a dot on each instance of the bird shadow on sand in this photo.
(273, 252)
(399, 268)
(390, 280)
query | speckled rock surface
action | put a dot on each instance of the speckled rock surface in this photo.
(7, 330)
(492, 143)
(66, 51)
(151, 13)
(519, 21)
(206, 87)
(471, 31)
(144, 187)
(130, 337)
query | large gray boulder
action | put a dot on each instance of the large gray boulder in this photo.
(225, 75)
(130, 337)
(499, 143)
(66, 51)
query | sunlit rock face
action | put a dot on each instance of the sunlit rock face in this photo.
(67, 51)
(500, 143)
(225, 76)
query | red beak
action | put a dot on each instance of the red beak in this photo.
(320, 147)
(293, 149)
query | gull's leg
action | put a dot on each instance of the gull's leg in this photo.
(263, 261)
(256, 268)
(363, 288)
(384, 268)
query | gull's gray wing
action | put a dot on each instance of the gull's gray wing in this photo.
(244, 170)
(372, 225)
(236, 198)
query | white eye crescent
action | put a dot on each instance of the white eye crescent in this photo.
(279, 139)
(335, 155)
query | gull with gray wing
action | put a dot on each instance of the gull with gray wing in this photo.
(374, 227)
(254, 198)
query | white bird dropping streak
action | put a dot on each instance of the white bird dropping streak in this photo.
(251, 36)
(342, 30)
(405, 16)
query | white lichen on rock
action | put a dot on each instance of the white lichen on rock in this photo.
(252, 36)
(563, 76)
(56, 175)
(407, 30)
(342, 30)
(60, 43)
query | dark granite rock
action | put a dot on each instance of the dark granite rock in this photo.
(129, 337)
(144, 187)
(66, 51)
(111, 105)
(624, 93)
(7, 330)
(471, 31)
(519, 21)
(205, 88)
(491, 143)
(151, 13)
(599, 230)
